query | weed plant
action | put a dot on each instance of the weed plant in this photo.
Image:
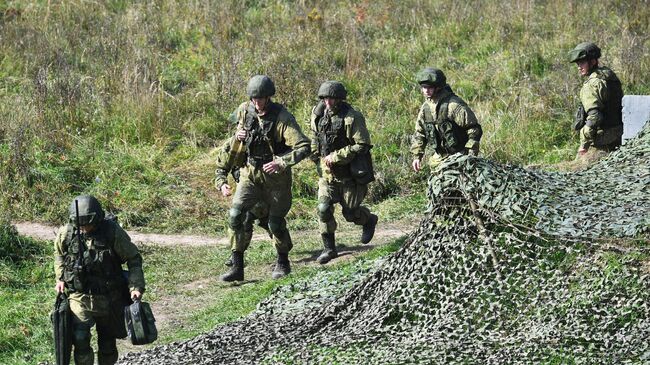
(127, 99)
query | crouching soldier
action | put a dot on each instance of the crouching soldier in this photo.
(89, 253)
(339, 136)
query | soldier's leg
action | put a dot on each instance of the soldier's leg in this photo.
(82, 322)
(352, 197)
(327, 195)
(245, 197)
(107, 348)
(353, 211)
(278, 197)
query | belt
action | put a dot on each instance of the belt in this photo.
(259, 162)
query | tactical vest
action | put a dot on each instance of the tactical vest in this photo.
(613, 110)
(443, 134)
(100, 269)
(331, 135)
(259, 140)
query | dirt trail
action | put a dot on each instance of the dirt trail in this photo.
(48, 232)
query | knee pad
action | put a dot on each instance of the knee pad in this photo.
(277, 225)
(248, 221)
(236, 218)
(325, 211)
(81, 339)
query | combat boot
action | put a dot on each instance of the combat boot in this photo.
(282, 266)
(330, 248)
(236, 272)
(369, 229)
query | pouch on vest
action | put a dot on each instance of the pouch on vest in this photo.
(61, 317)
(361, 168)
(140, 323)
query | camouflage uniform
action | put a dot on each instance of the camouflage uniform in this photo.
(340, 133)
(229, 162)
(445, 122)
(99, 296)
(272, 137)
(599, 118)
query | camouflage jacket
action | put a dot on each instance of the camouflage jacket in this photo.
(118, 243)
(457, 112)
(348, 136)
(601, 97)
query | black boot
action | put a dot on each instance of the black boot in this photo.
(330, 248)
(236, 272)
(282, 266)
(369, 229)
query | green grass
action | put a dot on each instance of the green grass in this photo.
(137, 94)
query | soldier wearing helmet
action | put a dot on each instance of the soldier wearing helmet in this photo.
(340, 138)
(272, 142)
(599, 118)
(445, 122)
(89, 253)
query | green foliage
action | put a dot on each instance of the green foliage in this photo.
(121, 78)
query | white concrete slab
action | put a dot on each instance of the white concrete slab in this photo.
(636, 112)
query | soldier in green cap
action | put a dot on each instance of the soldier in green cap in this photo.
(89, 253)
(599, 118)
(272, 141)
(339, 137)
(444, 122)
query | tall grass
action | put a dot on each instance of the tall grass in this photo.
(137, 93)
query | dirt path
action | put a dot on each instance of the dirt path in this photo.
(48, 232)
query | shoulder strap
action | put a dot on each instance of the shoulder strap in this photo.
(443, 108)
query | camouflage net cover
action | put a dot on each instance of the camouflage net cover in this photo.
(509, 266)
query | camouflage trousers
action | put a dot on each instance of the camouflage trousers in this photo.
(87, 311)
(601, 139)
(256, 192)
(347, 193)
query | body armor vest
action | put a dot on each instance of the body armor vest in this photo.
(613, 110)
(443, 134)
(331, 136)
(259, 141)
(100, 271)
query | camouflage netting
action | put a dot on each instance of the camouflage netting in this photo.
(508, 266)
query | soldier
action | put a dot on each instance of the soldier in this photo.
(89, 253)
(339, 135)
(444, 122)
(599, 118)
(273, 142)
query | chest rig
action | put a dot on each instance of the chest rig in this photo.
(443, 134)
(92, 269)
(614, 99)
(331, 134)
(260, 142)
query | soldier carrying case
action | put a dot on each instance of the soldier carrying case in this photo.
(140, 323)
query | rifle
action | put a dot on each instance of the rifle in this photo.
(78, 265)
(238, 148)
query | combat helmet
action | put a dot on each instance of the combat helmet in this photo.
(90, 211)
(584, 51)
(431, 76)
(332, 89)
(260, 86)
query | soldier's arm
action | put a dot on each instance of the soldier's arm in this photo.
(592, 96)
(128, 252)
(58, 253)
(314, 155)
(466, 119)
(300, 145)
(356, 131)
(419, 139)
(224, 163)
